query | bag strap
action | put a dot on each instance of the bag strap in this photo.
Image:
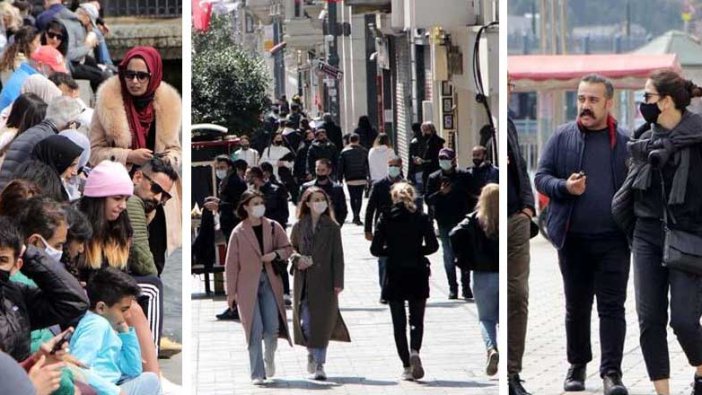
(664, 199)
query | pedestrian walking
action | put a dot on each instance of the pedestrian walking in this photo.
(318, 265)
(581, 167)
(366, 132)
(378, 157)
(476, 244)
(277, 154)
(406, 237)
(353, 167)
(254, 283)
(334, 190)
(665, 184)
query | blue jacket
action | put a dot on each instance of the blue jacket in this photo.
(563, 156)
(13, 88)
(111, 356)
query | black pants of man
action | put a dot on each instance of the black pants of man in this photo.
(595, 267)
(151, 301)
(653, 283)
(158, 238)
(399, 325)
(356, 195)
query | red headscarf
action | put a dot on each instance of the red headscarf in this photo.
(140, 109)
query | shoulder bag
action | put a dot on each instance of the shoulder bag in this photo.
(681, 250)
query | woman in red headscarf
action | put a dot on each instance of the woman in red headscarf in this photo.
(137, 116)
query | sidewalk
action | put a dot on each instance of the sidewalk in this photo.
(452, 352)
(545, 363)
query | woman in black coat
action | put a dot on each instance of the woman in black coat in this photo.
(405, 237)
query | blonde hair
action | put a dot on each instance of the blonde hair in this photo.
(488, 208)
(7, 10)
(403, 192)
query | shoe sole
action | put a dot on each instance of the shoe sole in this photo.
(618, 391)
(574, 388)
(416, 364)
(492, 364)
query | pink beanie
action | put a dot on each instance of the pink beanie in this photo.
(108, 179)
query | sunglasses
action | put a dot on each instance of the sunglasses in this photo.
(57, 36)
(648, 95)
(156, 189)
(140, 75)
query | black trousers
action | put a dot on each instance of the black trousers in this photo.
(399, 325)
(600, 268)
(356, 196)
(158, 239)
(88, 71)
(653, 282)
(151, 301)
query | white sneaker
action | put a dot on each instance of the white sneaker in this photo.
(407, 374)
(319, 373)
(269, 363)
(416, 365)
(493, 359)
(258, 381)
(311, 366)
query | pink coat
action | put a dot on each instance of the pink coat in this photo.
(243, 270)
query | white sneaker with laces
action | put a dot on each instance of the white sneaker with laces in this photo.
(258, 381)
(407, 374)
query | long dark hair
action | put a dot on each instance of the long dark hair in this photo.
(111, 239)
(364, 123)
(57, 25)
(22, 44)
(28, 110)
(681, 90)
(303, 210)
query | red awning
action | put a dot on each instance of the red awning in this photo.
(564, 71)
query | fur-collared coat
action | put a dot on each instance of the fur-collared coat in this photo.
(111, 139)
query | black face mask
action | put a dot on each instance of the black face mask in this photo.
(477, 162)
(277, 143)
(322, 178)
(4, 276)
(650, 112)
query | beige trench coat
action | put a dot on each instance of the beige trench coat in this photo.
(326, 273)
(111, 139)
(243, 271)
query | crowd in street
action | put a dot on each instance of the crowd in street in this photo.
(89, 205)
(307, 162)
(615, 195)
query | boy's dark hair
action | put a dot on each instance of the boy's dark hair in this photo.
(79, 228)
(158, 165)
(241, 165)
(10, 236)
(110, 285)
(266, 167)
(41, 215)
(63, 78)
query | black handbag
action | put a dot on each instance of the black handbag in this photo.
(279, 266)
(681, 250)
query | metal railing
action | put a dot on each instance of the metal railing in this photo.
(145, 8)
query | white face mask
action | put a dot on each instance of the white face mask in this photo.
(319, 207)
(445, 164)
(221, 174)
(52, 252)
(258, 211)
(394, 171)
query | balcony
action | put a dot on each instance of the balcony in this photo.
(143, 8)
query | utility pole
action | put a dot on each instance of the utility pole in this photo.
(278, 57)
(333, 59)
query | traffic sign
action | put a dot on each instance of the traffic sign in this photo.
(330, 70)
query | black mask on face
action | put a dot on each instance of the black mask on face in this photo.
(277, 142)
(322, 178)
(4, 276)
(650, 112)
(478, 162)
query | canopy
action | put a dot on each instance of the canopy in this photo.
(549, 72)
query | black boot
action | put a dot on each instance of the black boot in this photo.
(228, 315)
(515, 385)
(613, 384)
(575, 378)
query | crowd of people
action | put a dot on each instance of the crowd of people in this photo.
(89, 205)
(307, 162)
(615, 195)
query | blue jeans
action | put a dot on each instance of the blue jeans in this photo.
(450, 262)
(318, 354)
(486, 288)
(147, 383)
(264, 327)
(382, 264)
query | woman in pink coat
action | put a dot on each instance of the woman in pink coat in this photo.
(252, 282)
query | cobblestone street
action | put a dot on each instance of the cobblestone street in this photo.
(452, 352)
(545, 363)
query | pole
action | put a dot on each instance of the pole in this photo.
(279, 57)
(333, 60)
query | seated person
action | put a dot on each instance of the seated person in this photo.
(105, 342)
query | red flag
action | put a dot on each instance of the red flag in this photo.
(202, 11)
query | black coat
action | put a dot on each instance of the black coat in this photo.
(275, 197)
(337, 196)
(428, 149)
(230, 190)
(405, 238)
(333, 133)
(353, 164)
(451, 208)
(472, 248)
(326, 150)
(379, 202)
(58, 299)
(367, 137)
(20, 149)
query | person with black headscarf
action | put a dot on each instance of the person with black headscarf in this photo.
(62, 155)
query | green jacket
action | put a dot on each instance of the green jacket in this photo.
(141, 260)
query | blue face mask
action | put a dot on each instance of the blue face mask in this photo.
(394, 171)
(445, 164)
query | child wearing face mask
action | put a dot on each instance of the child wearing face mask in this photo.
(253, 283)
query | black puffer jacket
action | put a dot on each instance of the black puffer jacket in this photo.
(353, 164)
(405, 238)
(473, 249)
(319, 150)
(20, 149)
(58, 300)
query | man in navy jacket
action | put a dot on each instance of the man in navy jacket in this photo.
(580, 169)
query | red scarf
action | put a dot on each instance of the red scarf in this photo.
(140, 109)
(611, 128)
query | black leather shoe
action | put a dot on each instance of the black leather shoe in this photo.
(697, 386)
(613, 384)
(228, 315)
(453, 295)
(575, 378)
(515, 385)
(467, 294)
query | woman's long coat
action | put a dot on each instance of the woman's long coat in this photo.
(243, 271)
(326, 273)
(111, 139)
